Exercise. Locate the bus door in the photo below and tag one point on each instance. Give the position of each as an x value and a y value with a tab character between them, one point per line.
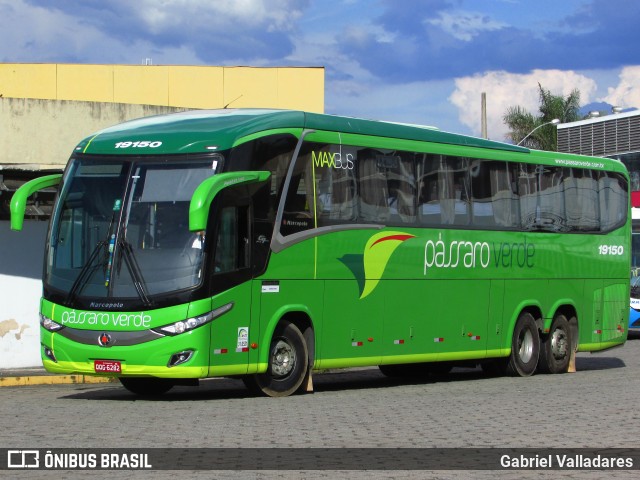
230	283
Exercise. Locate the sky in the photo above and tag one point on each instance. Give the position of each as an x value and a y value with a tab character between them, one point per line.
411	61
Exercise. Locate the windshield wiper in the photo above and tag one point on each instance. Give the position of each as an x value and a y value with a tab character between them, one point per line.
85	273
91	266
134	270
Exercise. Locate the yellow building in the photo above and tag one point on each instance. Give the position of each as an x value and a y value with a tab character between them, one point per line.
168	85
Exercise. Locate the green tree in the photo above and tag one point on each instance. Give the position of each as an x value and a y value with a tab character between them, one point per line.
522	123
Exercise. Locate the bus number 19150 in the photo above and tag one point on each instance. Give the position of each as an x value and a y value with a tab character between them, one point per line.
138	144
611	249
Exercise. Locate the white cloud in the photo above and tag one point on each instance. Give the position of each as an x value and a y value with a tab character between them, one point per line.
464	25
627	93
276	15
362	34
506	89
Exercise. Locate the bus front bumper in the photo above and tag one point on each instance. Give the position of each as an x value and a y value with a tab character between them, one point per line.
181	356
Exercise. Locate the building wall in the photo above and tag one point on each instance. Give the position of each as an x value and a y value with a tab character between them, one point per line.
168	85
607	136
46	109
39	134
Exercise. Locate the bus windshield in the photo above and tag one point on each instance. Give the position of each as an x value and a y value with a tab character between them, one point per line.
121	228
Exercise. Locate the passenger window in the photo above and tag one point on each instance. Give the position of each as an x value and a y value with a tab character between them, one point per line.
551	211
372	187
335	183
399	173
445	191
612	190
528	195
501	179
298	207
232	250
353	185
404	185
581	202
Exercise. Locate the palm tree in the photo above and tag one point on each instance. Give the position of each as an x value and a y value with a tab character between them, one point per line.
522	123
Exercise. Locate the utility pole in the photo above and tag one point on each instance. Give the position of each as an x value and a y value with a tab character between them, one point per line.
483	114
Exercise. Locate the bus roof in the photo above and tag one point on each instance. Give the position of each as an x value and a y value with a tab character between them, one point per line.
201	130
198	131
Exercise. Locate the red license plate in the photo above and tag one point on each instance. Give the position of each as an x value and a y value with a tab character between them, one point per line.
107	366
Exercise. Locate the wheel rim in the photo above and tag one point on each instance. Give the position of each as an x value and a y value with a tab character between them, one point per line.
525	346
283	359
559	344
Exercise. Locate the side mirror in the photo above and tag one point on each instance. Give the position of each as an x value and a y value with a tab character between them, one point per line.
208	189
19	200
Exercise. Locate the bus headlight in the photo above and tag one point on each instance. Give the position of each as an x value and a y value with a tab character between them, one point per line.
194	322
49	324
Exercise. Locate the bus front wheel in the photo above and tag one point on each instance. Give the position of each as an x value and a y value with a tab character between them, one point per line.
288	363
556	348
525	347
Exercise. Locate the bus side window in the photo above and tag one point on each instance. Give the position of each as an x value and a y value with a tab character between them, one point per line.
373	189
582	209
402	189
495	201
428	201
298	207
551	207
232	250
612	190
481	201
444	190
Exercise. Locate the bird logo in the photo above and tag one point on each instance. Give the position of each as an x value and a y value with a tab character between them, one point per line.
369	267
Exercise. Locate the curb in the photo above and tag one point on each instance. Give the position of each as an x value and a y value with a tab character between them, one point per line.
29	380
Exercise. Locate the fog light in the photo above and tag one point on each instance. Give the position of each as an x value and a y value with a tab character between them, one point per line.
49	354
180	357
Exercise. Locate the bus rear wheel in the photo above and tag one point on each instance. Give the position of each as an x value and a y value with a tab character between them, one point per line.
146	386
288	363
525	347
556	347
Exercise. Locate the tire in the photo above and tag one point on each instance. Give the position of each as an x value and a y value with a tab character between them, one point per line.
288	363
525	347
146	386
556	347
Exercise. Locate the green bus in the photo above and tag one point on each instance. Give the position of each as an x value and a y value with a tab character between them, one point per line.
266	244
